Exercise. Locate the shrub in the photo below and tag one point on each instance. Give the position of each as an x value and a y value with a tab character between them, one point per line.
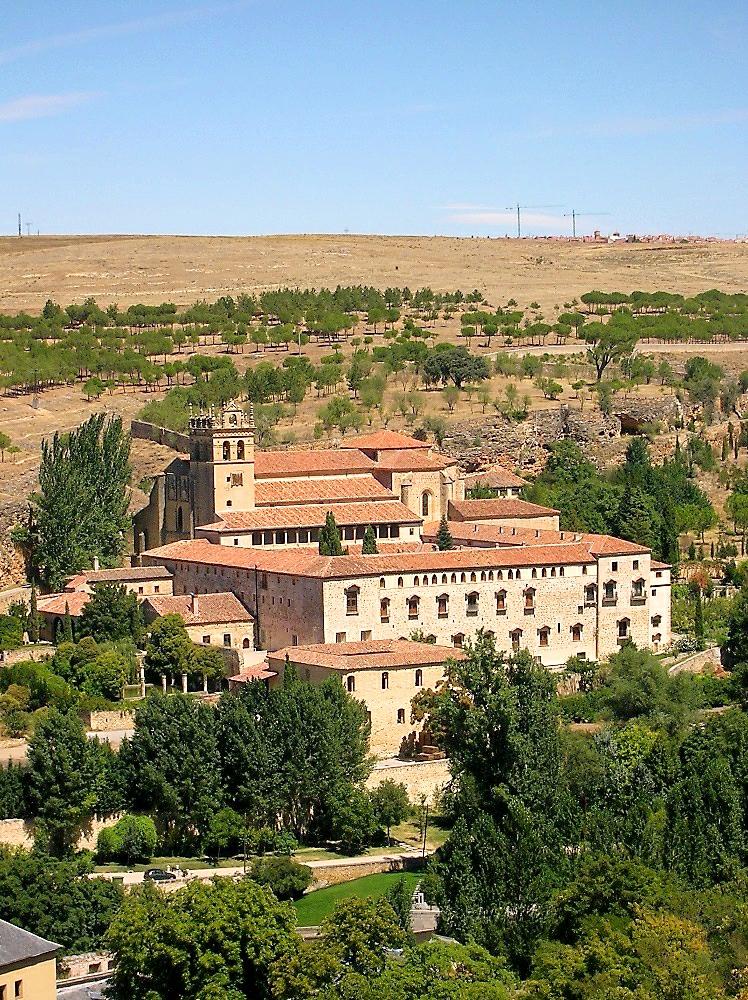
288	879
131	840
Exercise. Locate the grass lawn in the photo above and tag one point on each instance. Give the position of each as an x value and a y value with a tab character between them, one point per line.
315	906
409	832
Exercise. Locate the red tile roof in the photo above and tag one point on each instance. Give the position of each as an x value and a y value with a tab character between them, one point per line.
280	464
656	564
313	516
370	655
256	672
335	489
407	460
212	609
126	573
481	510
471	532
496	477
384	441
55	604
308	563
608	545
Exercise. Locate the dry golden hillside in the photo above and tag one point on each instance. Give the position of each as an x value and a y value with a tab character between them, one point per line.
127	269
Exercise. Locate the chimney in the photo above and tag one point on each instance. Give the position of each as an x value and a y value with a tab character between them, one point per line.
96	564
194	605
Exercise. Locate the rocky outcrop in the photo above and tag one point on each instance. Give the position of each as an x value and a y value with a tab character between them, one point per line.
636	412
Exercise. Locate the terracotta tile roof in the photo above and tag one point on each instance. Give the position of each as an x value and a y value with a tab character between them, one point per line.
470	532
656	564
371	655
308	563
212	609
280	464
496	477
313	516
257	672
407	460
126	573
335	489
608	545
476	510
55	604
384	441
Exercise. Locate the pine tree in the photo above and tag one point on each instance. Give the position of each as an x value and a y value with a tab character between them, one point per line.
67	625
444	536
369	547
33	617
329	538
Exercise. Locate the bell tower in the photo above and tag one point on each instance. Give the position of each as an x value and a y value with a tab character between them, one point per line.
222	462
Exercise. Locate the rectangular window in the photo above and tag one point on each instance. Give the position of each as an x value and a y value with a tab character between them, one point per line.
636	564
340	637
140	590
614	566
366	635
18	988
206	640
157	589
294	640
227	638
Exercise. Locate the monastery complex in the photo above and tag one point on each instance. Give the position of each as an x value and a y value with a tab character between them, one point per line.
229	540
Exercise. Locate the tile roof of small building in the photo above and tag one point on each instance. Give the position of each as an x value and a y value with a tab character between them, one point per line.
254	672
18	946
373	654
407	460
656	564
384	441
465	532
313	516
212	609
333	489
609	545
125	573
73	601
467	510
282	464
496	477
307	562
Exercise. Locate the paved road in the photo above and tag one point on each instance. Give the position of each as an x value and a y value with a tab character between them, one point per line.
642	348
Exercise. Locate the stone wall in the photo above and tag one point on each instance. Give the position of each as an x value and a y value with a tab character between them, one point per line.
161	435
104	722
20	833
335	872
423	777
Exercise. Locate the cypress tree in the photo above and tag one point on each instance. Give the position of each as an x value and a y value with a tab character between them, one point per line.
329	538
699	618
444	536
369	547
67	625
33	617
725	449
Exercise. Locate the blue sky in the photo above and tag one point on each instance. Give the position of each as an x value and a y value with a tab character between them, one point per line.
374	116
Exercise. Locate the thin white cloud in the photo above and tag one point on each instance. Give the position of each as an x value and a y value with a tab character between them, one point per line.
22	109
497	217
136	26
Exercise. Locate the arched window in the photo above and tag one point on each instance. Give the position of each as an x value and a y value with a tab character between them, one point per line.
510	575
534	573
609	592
576	632
560	570
638	589
473	578
416	581
413	606
381	581
384	610
350	683
444	577
483	576
240	451
544	572
458	641
453	578
500	574
351	600
442	606
518	575
385	680
530	599
472	603
543	635
623	628
434	580
516	637
656	620
245	643
490	574
226	451
590	593
399	581
553	570
419	678
401	716
180	519
426	503
501	602
463	578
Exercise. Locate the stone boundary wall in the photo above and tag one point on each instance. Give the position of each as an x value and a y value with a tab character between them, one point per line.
104	722
334	872
20	833
426	777
144	431
36	653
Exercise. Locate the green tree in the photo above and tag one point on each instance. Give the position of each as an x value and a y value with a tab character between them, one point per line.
391	804
206	940
80	509
169	649
369	546
361	931
131	840
111	614
329	538
444	538
287	878
608	342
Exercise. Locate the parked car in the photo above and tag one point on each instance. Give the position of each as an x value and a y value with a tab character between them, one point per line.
159	875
